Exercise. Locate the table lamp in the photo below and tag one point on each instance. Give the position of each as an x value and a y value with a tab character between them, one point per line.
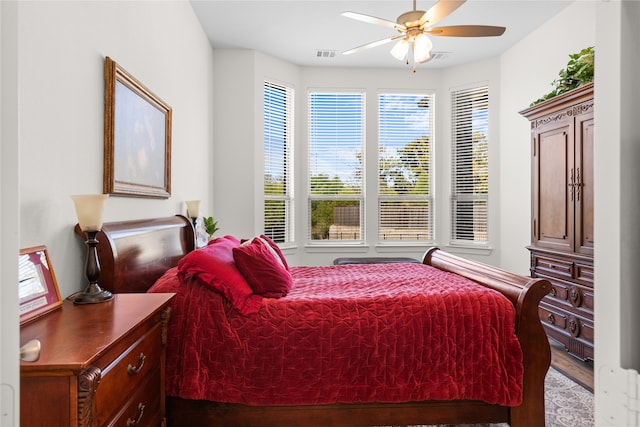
193	210
89	209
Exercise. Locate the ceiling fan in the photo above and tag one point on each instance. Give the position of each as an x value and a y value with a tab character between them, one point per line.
414	27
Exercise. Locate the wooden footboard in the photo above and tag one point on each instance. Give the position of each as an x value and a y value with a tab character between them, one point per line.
525	294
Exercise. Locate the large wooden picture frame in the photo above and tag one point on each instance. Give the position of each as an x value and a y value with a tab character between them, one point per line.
137	137
38	291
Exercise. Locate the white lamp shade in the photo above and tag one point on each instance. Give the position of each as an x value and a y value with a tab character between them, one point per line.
193	208
89	210
422	48
399	51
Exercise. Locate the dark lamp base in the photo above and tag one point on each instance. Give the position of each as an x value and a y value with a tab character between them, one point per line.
93	293
93	297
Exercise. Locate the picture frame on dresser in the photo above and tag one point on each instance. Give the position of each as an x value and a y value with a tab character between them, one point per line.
38	290
137	137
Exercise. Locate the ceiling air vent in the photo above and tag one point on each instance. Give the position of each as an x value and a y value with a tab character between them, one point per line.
439	55
325	53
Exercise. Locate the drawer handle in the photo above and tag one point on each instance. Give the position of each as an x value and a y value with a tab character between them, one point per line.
135	369
551	318
130	422
574	327
575	297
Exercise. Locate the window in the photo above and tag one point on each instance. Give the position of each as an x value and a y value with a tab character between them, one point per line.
336	168
278	173
470	165
405	204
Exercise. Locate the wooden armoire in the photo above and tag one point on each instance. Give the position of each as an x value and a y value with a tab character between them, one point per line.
562	215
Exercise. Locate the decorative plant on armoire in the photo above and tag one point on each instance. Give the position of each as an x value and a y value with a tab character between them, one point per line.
579	71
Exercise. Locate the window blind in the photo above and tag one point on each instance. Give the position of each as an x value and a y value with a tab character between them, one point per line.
470	165
405	204
278	164
336	167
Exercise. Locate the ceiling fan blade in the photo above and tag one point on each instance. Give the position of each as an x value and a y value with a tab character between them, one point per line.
372	44
466	31
373	20
439	11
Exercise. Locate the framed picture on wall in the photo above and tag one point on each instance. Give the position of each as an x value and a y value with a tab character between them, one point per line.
137	137
38	291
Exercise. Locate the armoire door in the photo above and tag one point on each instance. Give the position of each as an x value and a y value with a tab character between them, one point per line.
553	205
584	126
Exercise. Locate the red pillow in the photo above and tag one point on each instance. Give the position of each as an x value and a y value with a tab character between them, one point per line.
213	265
275	247
262	270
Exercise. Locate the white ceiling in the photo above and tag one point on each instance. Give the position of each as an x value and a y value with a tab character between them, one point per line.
294	30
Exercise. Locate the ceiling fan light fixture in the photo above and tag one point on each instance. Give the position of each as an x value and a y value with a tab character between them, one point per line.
417	26
422	47
400	50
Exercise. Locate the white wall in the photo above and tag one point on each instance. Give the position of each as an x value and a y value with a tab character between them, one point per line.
9	215
527	70
61	88
630	176
617	250
238	151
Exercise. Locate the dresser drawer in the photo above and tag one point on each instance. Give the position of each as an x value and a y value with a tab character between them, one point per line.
143	408
128	372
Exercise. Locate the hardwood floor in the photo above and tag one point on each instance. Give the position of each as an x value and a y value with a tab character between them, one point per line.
576	369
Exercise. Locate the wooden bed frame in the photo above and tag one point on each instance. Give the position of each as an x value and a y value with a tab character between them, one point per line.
133	254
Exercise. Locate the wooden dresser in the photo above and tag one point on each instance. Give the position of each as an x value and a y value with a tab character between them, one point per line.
100	365
562	137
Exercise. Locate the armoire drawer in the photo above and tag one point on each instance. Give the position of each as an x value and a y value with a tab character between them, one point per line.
570	296
554	267
570	324
584	274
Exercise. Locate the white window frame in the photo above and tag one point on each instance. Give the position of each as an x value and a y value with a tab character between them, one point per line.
470	187
415	225
279	132
337	234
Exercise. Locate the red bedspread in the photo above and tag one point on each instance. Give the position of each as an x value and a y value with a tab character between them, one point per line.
350	333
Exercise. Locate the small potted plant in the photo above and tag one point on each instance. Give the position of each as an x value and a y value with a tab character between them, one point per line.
210	226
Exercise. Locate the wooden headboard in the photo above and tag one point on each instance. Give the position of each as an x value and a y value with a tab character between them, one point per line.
134	254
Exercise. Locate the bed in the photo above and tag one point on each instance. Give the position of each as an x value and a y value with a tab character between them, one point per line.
140	255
